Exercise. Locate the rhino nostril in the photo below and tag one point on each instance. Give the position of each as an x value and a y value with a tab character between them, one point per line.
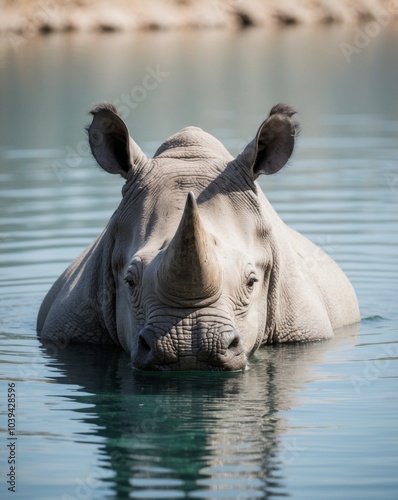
235	341
144	344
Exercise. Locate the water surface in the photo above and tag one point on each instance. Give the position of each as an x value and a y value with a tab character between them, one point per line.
306	421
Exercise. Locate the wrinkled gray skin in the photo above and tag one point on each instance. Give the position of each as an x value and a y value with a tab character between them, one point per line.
195	270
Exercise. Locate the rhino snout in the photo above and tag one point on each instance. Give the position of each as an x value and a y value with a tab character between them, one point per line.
222	351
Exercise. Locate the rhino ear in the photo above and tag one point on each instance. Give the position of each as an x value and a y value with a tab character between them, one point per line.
110	141
273	145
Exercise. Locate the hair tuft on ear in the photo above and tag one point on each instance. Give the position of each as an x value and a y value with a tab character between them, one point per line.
283	109
103	106
290	111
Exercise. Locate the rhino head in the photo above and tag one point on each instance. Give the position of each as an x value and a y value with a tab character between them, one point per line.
190	259
195	269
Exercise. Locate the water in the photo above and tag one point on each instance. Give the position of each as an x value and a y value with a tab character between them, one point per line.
312	421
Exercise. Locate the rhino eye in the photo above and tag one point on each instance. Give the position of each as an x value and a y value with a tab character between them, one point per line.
132	277
131	282
250	282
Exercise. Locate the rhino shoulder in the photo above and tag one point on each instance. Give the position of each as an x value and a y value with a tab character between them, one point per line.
72	310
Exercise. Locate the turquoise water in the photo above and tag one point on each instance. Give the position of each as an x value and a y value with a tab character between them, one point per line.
306	421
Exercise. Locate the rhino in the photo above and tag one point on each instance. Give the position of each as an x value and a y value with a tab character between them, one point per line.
195	270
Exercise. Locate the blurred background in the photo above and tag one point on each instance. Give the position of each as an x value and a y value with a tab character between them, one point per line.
316	421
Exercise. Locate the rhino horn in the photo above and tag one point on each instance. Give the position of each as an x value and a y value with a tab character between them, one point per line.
189	274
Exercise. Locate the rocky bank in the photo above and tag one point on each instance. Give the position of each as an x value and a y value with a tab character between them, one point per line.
31	16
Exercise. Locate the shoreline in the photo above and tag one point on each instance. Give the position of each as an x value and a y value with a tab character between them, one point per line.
47	16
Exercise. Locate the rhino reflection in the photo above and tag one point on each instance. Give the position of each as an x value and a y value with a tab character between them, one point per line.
193	431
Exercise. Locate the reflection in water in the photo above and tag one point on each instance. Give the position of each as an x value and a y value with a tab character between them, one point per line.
206	434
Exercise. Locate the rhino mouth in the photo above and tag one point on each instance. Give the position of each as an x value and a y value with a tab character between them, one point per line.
218	349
